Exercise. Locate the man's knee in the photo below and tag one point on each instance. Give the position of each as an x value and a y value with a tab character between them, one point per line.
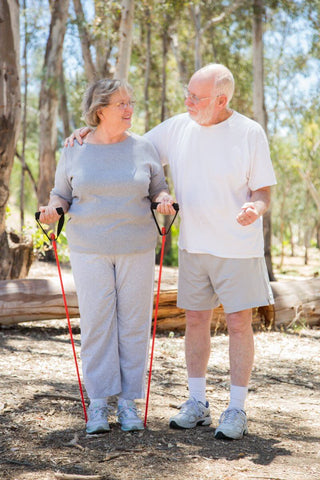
198	319
239	322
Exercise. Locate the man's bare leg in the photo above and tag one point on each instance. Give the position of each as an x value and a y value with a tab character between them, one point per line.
241	346
233	422
197	342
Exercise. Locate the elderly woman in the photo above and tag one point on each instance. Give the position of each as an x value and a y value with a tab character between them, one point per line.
106	186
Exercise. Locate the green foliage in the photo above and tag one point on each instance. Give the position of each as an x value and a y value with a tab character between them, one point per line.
41	244
171	259
291	63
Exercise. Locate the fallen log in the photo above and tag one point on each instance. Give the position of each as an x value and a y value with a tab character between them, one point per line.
34	299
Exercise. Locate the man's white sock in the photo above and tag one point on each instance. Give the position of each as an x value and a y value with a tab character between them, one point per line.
237	397
197	388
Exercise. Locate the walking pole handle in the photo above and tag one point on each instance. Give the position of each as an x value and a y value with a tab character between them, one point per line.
153	207
155	204
60	224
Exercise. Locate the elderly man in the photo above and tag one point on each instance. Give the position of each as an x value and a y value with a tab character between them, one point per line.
222	173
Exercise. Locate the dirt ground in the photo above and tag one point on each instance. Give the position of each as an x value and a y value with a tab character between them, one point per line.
42	422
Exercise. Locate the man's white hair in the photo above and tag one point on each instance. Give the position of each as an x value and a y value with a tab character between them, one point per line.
223	79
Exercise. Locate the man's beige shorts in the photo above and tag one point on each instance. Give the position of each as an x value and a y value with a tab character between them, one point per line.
205	281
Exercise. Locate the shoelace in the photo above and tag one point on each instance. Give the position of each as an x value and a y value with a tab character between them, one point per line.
229	415
98	412
128	412
191	402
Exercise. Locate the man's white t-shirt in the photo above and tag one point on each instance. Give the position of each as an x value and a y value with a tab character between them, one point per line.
214	170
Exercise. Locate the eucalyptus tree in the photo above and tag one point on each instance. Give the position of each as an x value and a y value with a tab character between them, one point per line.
85	40
49	97
201	27
16	257
125	39
259	108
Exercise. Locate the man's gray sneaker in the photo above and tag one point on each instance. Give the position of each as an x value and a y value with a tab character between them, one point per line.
192	413
128	416
97	419
232	425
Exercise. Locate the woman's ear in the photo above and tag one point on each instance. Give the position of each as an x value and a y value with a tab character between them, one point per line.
100	114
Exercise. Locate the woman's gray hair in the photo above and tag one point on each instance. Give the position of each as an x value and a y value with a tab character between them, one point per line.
98	95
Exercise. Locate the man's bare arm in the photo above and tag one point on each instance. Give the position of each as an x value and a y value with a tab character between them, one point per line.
258	205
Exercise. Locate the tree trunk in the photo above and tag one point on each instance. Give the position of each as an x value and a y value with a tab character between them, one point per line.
183	74
259	110
296	302
24	118
196	17
103	37
12	254
291	239
63	106
85	42
49	97
125	40
10	100
147	70
311	188
318	234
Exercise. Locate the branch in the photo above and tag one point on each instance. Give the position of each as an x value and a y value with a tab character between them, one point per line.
312	189
213	21
27	169
65	476
84	40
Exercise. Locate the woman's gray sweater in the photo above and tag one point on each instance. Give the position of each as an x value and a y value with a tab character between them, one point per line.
109	188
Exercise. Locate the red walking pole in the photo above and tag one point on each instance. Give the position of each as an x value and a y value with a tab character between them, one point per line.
54	244
163	233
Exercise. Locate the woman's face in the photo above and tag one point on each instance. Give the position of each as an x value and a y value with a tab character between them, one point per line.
117	115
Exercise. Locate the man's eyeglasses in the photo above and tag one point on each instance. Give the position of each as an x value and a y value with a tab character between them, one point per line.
124	105
194	99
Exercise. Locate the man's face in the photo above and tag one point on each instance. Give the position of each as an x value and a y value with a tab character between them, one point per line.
200	101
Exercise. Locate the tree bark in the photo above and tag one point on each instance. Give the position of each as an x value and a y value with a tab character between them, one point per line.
10	99
311	188
296	302
12	253
147	70
89	67
195	13
49	97
103	39
24	117
63	105
183	73
196	16
125	40
259	110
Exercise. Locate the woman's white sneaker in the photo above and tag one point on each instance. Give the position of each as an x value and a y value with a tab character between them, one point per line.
232	425
128	416
192	413
97	419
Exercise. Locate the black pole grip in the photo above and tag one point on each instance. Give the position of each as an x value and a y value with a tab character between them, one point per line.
59	212
60	224
155	204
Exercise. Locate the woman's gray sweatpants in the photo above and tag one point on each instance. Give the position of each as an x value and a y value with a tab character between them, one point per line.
115	295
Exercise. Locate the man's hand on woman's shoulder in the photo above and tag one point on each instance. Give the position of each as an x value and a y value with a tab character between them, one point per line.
78	135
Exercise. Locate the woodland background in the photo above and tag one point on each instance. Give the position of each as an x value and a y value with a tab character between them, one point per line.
50	50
